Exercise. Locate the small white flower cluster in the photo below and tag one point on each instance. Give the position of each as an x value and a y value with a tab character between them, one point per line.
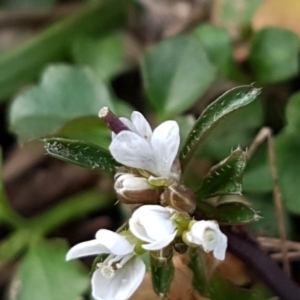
151	227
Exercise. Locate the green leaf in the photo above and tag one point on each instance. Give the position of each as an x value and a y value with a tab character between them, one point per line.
213	114
176	73
249	120
288	161
217	42
45	274
87	129
274	55
104	55
293	115
197	264
162	270
64	93
80	153
23	64
231	213
225	177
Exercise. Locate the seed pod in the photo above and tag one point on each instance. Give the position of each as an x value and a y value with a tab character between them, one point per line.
180	197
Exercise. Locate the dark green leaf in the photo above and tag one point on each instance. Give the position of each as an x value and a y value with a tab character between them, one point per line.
293	114
231	213
44	274
162	270
80	153
213	114
225	177
288	162
274	55
176	73
197	264
65	93
104	55
26	5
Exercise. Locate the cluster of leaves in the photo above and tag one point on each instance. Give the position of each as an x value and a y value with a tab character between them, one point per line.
62	109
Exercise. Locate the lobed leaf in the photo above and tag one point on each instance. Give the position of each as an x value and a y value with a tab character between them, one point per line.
225	177
81	153
65	93
225	105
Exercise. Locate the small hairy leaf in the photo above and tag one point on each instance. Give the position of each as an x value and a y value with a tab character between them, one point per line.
225	177
213	114
80	153
232	213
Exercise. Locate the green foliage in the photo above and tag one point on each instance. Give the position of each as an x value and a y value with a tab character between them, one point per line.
64	93
225	177
80	153
162	270
274	55
45	274
216	38
24	63
231	213
213	114
27	4
104	55
176	72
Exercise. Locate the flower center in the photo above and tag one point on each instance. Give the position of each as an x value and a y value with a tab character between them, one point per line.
210	237
112	264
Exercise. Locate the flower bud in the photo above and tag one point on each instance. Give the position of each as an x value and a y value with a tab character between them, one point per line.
179	197
132	189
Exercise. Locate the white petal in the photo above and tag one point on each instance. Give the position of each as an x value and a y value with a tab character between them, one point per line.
142	126
93	247
159	244
131	150
114	242
165	142
138	230
131	278
220	250
128	123
122	285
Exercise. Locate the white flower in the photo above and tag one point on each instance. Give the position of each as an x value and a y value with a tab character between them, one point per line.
208	235
143	149
120	274
153	224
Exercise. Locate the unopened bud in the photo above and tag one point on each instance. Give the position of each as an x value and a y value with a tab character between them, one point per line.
132	189
179	197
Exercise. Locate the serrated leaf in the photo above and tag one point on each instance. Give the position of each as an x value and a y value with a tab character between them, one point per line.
176	73
44	274
81	153
225	105
225	177
274	55
232	213
162	270
65	93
